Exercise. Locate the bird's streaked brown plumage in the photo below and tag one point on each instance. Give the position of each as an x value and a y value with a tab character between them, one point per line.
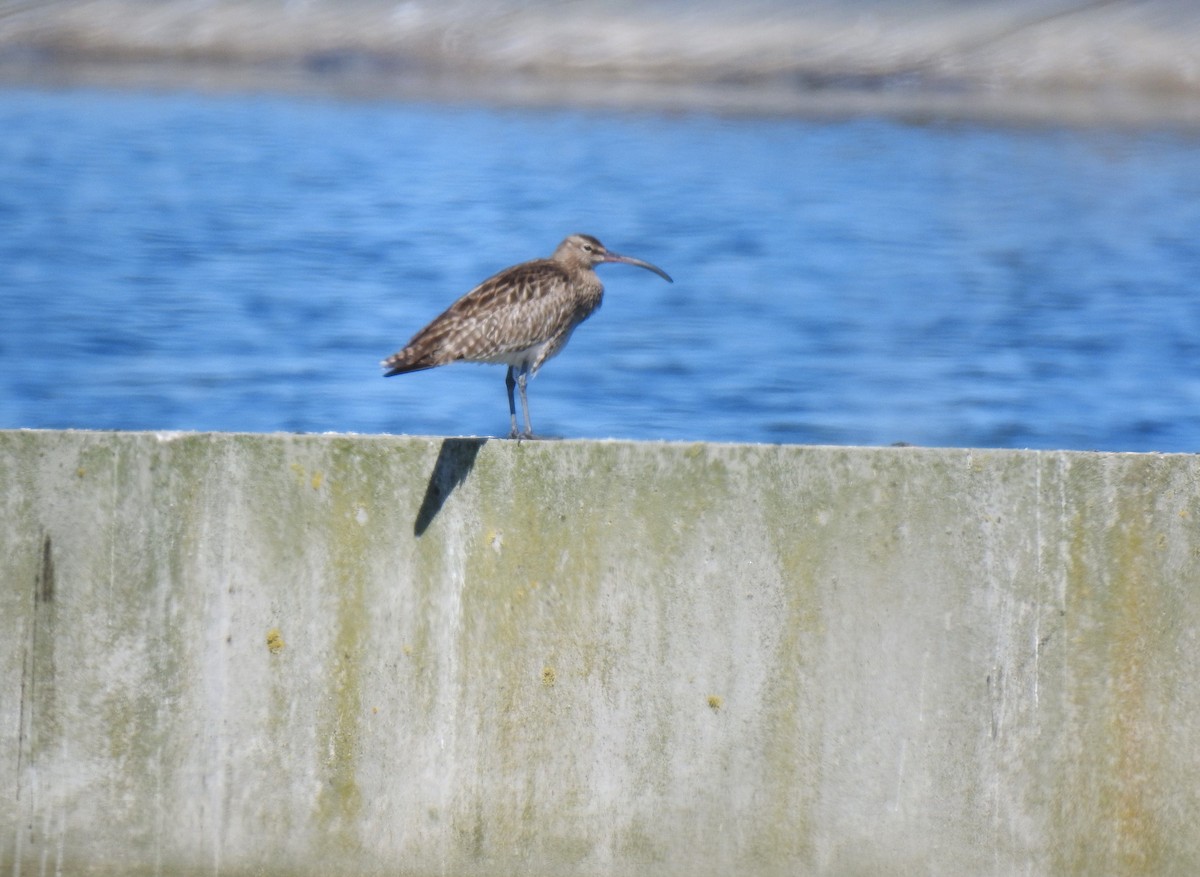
520	317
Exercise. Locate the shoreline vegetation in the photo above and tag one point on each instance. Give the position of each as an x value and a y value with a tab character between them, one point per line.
1100	62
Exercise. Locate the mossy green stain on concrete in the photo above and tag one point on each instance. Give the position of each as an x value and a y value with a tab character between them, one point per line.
528	570
1132	599
139	569
796	519
1124	609
350	506
1142	613
537	572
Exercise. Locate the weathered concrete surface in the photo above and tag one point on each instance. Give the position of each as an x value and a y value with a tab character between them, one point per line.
230	654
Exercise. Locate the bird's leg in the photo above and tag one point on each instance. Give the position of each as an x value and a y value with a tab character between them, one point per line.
509	383
522	378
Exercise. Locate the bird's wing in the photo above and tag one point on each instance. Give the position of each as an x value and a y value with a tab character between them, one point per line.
510	311
515	309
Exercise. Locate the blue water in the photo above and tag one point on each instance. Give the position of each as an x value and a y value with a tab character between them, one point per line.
201	262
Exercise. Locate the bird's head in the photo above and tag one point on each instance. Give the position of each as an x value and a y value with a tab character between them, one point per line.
585	251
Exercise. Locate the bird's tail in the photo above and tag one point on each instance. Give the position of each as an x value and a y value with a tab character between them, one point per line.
427	349
404	362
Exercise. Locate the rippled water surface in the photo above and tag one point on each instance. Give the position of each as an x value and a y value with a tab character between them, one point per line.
182	261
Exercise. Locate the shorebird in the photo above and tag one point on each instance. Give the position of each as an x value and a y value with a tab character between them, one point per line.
520	317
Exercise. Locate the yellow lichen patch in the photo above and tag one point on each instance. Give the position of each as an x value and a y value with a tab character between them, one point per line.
80	472
549	676
316	480
715	702
274	641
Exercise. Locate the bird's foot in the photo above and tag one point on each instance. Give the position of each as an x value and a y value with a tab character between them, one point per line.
532	437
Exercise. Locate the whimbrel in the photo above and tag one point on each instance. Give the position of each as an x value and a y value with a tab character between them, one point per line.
520	317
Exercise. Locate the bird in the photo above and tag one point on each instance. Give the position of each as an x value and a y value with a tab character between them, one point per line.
520	317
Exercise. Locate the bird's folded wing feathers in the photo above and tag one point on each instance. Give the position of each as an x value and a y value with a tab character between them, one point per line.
506	313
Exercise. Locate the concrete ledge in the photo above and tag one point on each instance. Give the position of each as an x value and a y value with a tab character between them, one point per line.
276	654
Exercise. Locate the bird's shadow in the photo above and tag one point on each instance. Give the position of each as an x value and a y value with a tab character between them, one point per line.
455	459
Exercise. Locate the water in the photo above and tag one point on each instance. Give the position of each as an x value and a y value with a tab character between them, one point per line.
186	261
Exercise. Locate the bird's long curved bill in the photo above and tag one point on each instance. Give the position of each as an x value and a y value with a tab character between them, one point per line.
629	260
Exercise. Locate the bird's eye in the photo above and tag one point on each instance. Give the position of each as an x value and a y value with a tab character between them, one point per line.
588	248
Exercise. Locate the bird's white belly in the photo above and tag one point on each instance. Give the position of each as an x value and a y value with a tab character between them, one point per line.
525	358
517	358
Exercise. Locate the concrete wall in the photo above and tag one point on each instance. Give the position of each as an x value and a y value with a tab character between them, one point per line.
231	654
